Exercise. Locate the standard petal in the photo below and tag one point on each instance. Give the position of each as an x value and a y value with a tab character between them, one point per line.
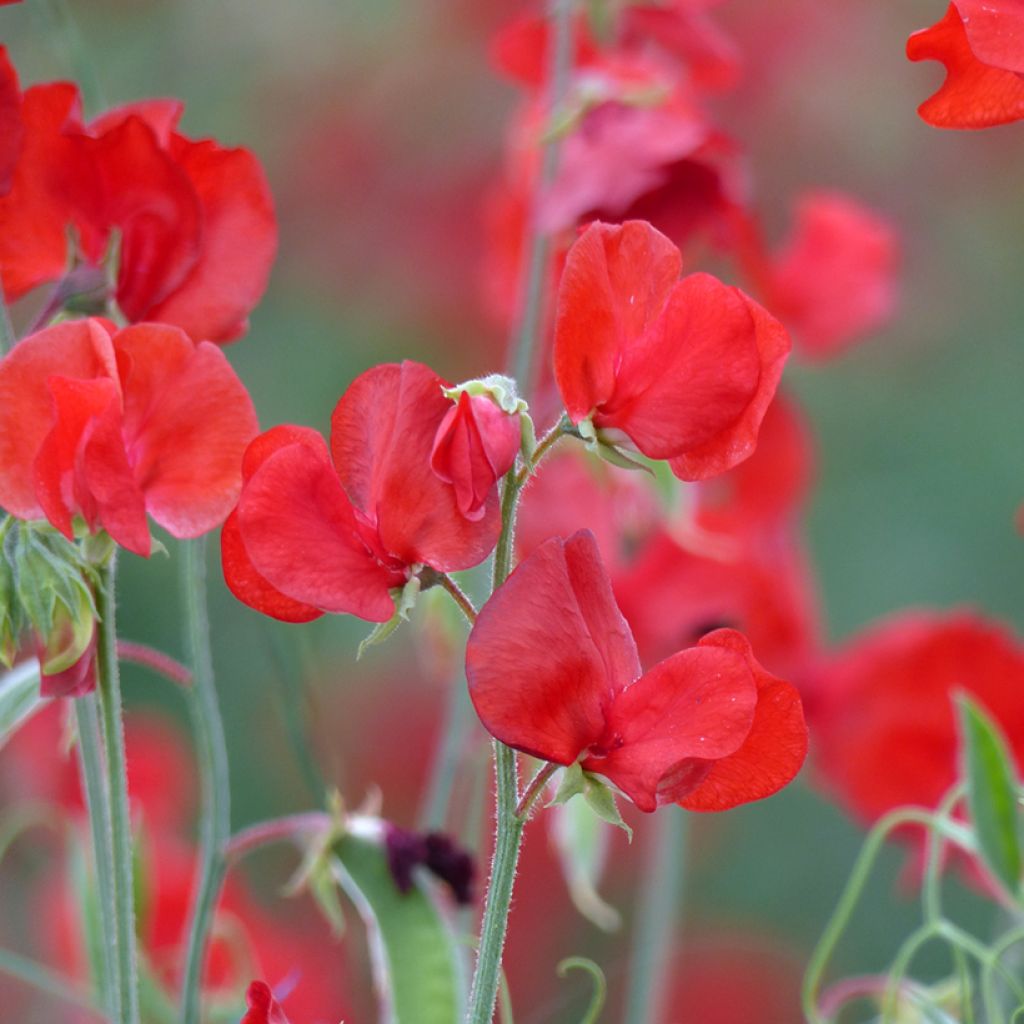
188	420
239	241
736	442
974	94
692	374
302	536
540	677
774	749
666	730
995	30
616	281
80	350
382	433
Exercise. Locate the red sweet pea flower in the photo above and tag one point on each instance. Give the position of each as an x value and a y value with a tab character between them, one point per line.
885	723
111	425
197	226
553	671
11	128
835	278
475	446
318	530
685	369
981	43
263	1007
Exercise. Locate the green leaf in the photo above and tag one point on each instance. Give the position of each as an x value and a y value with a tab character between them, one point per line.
418	968
992	789
602	801
19	697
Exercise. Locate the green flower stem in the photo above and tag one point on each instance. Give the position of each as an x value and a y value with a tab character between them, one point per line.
537	251
484	993
97	801
7	336
108	692
653	938
215	817
458	595
42	978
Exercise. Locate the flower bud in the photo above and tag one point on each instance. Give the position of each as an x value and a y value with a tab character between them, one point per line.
477	441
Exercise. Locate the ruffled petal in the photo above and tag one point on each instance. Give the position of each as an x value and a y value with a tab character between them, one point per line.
302	536
188	420
736	442
774	749
549	651
78	350
974	94
665	732
239	242
614	286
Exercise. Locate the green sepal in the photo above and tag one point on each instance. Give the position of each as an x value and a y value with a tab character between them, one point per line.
602	802
571	784
606	449
503	392
992	792
315	875
405	600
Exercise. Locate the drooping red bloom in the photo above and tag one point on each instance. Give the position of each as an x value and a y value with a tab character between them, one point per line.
835	278
318	530
553	671
981	44
475	446
110	425
263	1007
196	220
885	721
684	369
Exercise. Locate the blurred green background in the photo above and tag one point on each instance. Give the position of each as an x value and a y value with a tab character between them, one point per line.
378	124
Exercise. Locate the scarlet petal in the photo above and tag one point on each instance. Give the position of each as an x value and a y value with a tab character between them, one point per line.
80	349
690	709
238	243
774	749
12	129
263	1007
732	445
549	651
382	433
975	94
995	30
161	115
188	419
302	536
614	286
240	574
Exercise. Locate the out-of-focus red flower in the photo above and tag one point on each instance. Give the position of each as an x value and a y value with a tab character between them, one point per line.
475	446
685	369
981	44
11	128
263	1007
885	724
553	671
196	220
835	279
110	425
318	530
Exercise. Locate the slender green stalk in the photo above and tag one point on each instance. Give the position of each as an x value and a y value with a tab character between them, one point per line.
215	816
458	717
97	801
7	336
484	993
653	938
108	691
42	978
458	595
535	272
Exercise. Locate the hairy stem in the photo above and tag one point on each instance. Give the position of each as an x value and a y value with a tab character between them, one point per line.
215	818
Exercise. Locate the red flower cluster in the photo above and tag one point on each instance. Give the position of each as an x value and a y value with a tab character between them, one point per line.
337	530
684	369
553	671
195	219
981	44
110	425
